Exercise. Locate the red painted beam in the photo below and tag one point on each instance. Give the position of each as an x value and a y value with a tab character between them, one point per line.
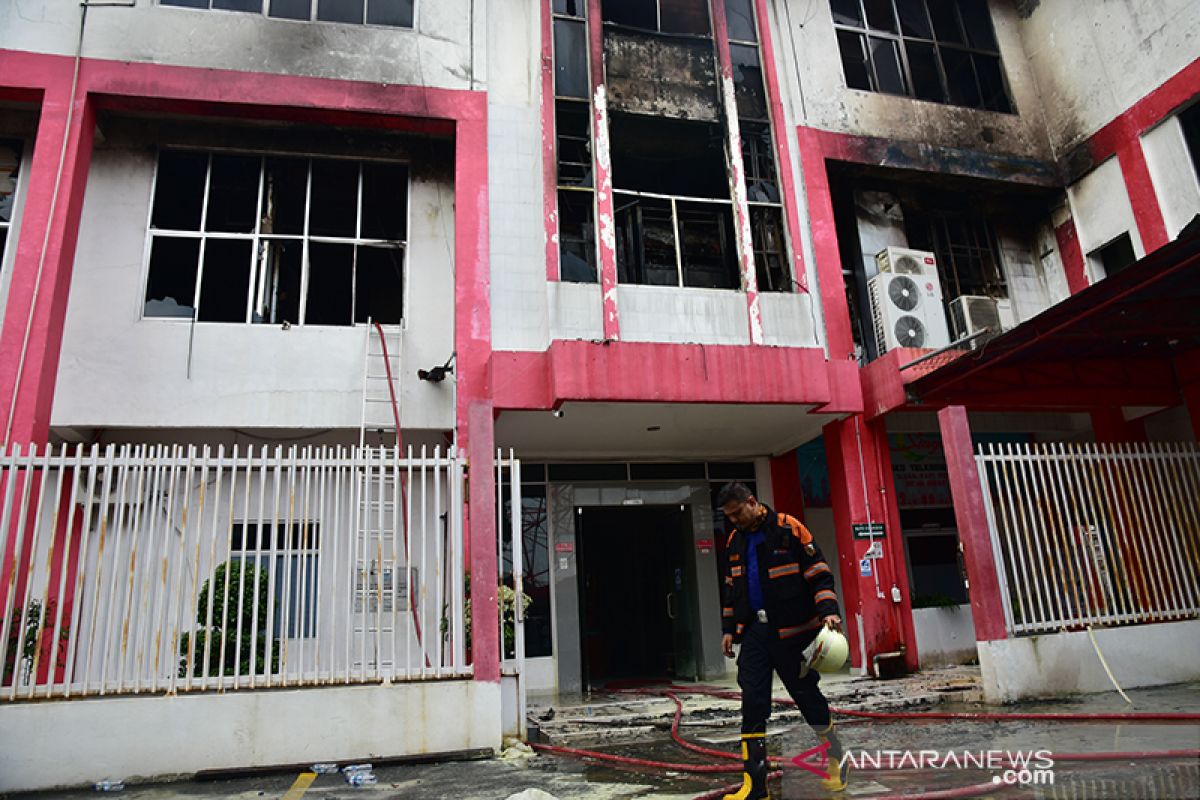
1142	198
1072	256
974	534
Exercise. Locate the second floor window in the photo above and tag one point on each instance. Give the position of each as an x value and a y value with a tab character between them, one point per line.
394	13
276	239
944	51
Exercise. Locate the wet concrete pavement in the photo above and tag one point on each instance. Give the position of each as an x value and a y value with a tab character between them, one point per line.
568	778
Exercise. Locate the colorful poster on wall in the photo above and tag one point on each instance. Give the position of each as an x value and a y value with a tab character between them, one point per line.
919	469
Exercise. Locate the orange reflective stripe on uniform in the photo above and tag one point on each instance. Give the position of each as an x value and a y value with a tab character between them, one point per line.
729	541
785	633
816	569
798	530
735	556
741	626
824	594
737	571
784	569
727	612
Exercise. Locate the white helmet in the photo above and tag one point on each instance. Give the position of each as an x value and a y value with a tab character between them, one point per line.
828	652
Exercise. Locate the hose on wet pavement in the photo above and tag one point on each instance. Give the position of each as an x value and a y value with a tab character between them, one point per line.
673	692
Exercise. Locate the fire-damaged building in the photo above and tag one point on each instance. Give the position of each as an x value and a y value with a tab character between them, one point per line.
389	355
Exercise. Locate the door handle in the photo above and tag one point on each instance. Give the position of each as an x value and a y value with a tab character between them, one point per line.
670	606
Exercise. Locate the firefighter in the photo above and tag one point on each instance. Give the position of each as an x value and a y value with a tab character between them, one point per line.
779	593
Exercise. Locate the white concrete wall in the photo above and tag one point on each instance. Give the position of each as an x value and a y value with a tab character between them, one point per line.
76	742
1102	211
788	319
944	635
436	53
1173	174
1092	61
683	315
118	369
1066	663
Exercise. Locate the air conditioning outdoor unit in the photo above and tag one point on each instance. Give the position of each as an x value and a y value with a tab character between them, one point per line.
970	314
902	261
907	311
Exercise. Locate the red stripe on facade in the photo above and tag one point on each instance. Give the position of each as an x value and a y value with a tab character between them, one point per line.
1146	211
549	145
606	223
1145	113
1072	256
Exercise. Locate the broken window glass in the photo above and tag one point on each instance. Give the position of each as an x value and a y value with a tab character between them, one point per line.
922	65
889	77
739	17
330	284
667	156
634	13
570	8
991	83
880	16
573	128
179	191
291	9
334	202
913	19
645	241
683	16
770	261
570	59
225	280
978	24
945	21
397	13
340	10
232	193
847	12
171	283
854	60
960	77
576	237
277	293
748	82
379	285
285	192
384	201
758	160
706	245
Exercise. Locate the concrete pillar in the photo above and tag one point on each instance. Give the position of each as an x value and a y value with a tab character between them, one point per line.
987	608
862	491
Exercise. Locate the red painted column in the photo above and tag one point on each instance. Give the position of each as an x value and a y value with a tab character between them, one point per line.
1142	197
785	485
475	422
37	296
973	531
549	145
1110	426
1072	256
737	174
825	245
872	618
606	223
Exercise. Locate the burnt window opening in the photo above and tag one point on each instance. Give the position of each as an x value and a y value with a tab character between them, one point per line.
739	20
390	13
573	131
673	242
10	173
968	253
770	259
570	59
270	240
1116	256
943	51
688	17
758	161
668	157
570	8
749	91
576	237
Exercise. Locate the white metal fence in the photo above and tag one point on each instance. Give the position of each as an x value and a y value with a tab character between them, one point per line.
169	569
1093	534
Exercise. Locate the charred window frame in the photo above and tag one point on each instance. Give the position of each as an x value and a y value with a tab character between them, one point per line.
967	250
765	204
10	178
679	17
943	51
387	13
276	239
573	144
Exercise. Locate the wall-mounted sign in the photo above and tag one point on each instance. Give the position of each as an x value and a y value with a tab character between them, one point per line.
704	545
874	551
564	547
867	530
864	567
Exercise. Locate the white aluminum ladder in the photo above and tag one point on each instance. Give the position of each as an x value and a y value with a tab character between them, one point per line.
380	390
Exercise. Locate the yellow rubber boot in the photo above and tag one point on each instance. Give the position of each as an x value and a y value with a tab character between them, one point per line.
754	769
839	768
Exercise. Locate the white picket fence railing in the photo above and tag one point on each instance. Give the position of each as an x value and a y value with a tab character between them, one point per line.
1087	534
170	569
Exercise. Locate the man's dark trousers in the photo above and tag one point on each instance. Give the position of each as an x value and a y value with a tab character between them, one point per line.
762	653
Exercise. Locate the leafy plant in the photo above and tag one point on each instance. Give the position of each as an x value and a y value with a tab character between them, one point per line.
508	616
252	586
35	637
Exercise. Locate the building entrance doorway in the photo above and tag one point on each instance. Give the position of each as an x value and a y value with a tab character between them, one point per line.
637	594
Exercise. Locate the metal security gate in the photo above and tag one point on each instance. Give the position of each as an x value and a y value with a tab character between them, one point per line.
1088	535
511	595
172	569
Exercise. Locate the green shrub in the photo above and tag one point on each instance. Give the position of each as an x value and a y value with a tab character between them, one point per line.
249	584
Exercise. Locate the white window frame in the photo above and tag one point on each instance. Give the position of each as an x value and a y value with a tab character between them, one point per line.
257	238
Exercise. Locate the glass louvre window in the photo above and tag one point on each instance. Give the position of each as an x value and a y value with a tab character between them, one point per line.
276	239
10	166
944	51
392	13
